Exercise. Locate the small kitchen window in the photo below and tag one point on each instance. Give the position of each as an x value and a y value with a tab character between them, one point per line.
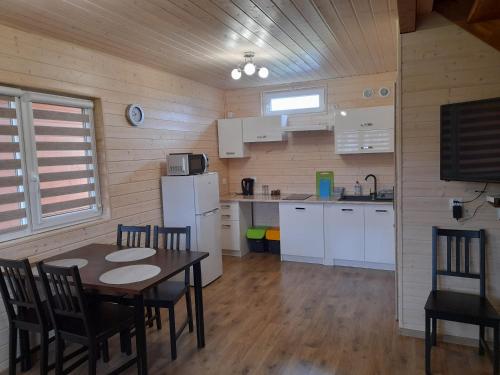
294	101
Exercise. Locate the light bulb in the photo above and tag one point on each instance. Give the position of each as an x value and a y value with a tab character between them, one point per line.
249	68
236	73
263	73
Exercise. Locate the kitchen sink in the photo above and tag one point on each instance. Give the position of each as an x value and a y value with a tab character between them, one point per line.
363	198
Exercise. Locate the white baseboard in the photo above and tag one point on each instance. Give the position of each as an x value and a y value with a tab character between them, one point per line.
360	264
296	258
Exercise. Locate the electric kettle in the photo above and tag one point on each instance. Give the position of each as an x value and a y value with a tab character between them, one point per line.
247	186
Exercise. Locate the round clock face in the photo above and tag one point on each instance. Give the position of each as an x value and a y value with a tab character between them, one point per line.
135	114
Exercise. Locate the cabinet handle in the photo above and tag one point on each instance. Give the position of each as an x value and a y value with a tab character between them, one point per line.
226	216
225	206
226	226
366	147
230	153
261	136
380	210
300	208
347	209
367	124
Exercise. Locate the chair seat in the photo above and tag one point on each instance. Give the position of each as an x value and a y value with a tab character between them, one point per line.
463	307
107	318
165	294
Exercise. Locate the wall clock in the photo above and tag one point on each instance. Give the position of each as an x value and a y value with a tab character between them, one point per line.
135	114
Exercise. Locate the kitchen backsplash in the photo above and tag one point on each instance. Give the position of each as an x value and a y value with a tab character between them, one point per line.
291	165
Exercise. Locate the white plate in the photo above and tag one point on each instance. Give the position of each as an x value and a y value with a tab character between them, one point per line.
80	263
130	274
130	255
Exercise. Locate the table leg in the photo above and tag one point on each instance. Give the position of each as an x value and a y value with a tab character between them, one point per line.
140	336
198	297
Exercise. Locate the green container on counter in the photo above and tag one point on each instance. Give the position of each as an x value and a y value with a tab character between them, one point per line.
324	184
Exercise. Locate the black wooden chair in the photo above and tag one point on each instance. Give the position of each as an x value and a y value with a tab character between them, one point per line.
79	319
133	239
455	306
167	294
133	235
25	311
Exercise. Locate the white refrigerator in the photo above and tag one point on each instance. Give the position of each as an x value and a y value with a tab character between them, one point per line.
194	201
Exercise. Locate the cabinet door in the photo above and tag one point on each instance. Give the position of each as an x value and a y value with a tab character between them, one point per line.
370	118
364	141
379	234
344	232
230	134
372	141
347	142
263	129
301	227
230	235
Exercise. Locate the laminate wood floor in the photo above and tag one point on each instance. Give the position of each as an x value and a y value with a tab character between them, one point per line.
267	317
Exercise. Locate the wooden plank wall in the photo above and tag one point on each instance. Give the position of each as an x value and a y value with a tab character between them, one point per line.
291	166
180	116
441	63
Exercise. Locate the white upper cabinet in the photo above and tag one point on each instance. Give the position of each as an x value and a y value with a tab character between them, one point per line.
364	130
230	133
264	129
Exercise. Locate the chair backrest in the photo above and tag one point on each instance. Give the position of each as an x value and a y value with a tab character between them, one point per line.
454	240
134	235
19	292
172	240
66	298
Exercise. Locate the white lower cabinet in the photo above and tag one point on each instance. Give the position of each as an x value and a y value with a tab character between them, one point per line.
344	232
360	235
301	227
235	219
379	234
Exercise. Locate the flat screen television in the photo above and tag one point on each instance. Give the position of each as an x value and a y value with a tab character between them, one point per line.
470	141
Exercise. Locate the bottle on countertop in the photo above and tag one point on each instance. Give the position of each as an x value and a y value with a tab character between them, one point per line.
357	188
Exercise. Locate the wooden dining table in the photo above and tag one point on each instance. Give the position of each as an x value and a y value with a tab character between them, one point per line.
170	263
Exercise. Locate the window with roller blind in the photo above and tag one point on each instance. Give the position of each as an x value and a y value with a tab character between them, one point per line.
48	164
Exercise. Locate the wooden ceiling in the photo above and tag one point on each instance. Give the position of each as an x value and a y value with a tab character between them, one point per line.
410	10
298	40
479	17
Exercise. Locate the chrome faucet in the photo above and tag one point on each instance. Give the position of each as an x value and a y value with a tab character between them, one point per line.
374	194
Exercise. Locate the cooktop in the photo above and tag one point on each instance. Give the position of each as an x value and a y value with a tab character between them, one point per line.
297	197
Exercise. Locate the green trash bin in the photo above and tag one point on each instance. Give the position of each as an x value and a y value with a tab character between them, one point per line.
256	237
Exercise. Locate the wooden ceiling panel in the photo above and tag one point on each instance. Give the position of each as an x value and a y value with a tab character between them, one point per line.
297	40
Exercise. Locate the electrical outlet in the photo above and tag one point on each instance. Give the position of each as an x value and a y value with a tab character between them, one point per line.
452	202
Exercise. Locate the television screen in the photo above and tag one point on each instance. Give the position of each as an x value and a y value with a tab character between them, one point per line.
470	141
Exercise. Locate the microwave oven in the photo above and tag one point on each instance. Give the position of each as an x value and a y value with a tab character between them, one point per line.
186	164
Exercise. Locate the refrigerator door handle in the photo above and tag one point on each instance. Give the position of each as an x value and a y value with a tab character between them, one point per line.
210	213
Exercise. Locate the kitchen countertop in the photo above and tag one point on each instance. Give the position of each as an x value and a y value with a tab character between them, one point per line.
261	198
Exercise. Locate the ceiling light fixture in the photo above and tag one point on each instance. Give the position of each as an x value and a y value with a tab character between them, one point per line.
249	68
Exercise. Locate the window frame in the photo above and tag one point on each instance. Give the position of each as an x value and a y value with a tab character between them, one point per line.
267	96
29	163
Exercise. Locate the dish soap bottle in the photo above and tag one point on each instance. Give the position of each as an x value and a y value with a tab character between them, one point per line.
357	188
